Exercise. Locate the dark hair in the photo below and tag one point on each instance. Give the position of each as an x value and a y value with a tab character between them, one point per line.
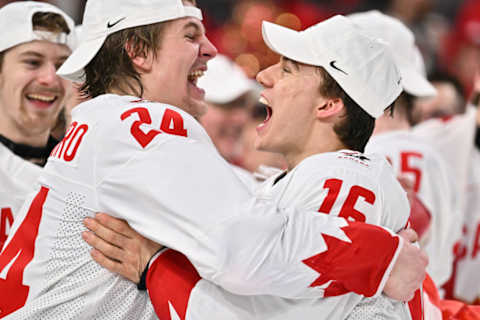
443	77
357	125
48	21
405	107
112	67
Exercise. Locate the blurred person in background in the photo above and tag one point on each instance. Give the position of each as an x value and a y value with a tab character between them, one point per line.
410	157
461	51
41	37
464	283
449	100
230	95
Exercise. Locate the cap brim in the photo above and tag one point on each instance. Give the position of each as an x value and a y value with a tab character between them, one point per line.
416	84
288	43
72	68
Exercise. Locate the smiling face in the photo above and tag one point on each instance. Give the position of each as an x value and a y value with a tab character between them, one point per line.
31	94
180	60
292	97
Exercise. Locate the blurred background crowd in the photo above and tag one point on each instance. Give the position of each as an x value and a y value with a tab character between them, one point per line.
446	31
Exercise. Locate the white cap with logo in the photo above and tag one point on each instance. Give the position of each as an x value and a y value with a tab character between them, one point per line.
406	54
16	17
361	65
224	81
104	17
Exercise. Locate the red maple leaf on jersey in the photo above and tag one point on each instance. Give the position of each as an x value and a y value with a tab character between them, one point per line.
170	281
354	266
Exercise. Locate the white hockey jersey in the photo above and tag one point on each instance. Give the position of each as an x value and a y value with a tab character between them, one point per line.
434	186
18	178
343	183
465	284
155	166
453	138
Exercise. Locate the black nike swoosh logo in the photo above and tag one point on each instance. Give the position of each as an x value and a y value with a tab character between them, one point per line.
110	25
332	64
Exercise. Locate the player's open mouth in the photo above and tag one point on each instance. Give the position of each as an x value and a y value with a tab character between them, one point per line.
269	110
194	75
197	93
262	126
41	100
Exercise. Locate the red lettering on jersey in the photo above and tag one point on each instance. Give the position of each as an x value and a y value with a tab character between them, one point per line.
173	117
144	118
58	150
333	186
170	281
6	219
170	117
459	254
406	167
476	243
348	210
354	266
73	136
19	253
80	132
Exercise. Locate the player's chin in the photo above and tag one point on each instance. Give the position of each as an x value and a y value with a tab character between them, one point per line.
197	107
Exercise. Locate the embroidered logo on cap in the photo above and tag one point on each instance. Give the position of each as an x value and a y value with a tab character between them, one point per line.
332	64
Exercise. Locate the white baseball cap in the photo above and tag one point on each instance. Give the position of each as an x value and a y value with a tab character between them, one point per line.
224	81
104	17
362	66
16	21
406	54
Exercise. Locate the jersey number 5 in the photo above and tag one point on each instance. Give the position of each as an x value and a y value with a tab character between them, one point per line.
17	255
348	210
407	167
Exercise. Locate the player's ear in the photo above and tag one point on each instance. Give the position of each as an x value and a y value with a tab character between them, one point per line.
141	60
329	107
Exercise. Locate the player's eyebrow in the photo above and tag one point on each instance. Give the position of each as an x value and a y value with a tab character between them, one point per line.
31	53
194	25
295	63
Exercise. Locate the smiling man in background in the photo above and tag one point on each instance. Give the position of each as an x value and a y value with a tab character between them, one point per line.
39	40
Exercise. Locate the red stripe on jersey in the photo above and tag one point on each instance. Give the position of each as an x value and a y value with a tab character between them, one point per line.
170	280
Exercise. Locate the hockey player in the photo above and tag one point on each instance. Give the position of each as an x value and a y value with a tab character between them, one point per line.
39	38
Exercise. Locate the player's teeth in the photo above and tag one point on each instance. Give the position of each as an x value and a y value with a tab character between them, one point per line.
263	101
195	74
41	98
